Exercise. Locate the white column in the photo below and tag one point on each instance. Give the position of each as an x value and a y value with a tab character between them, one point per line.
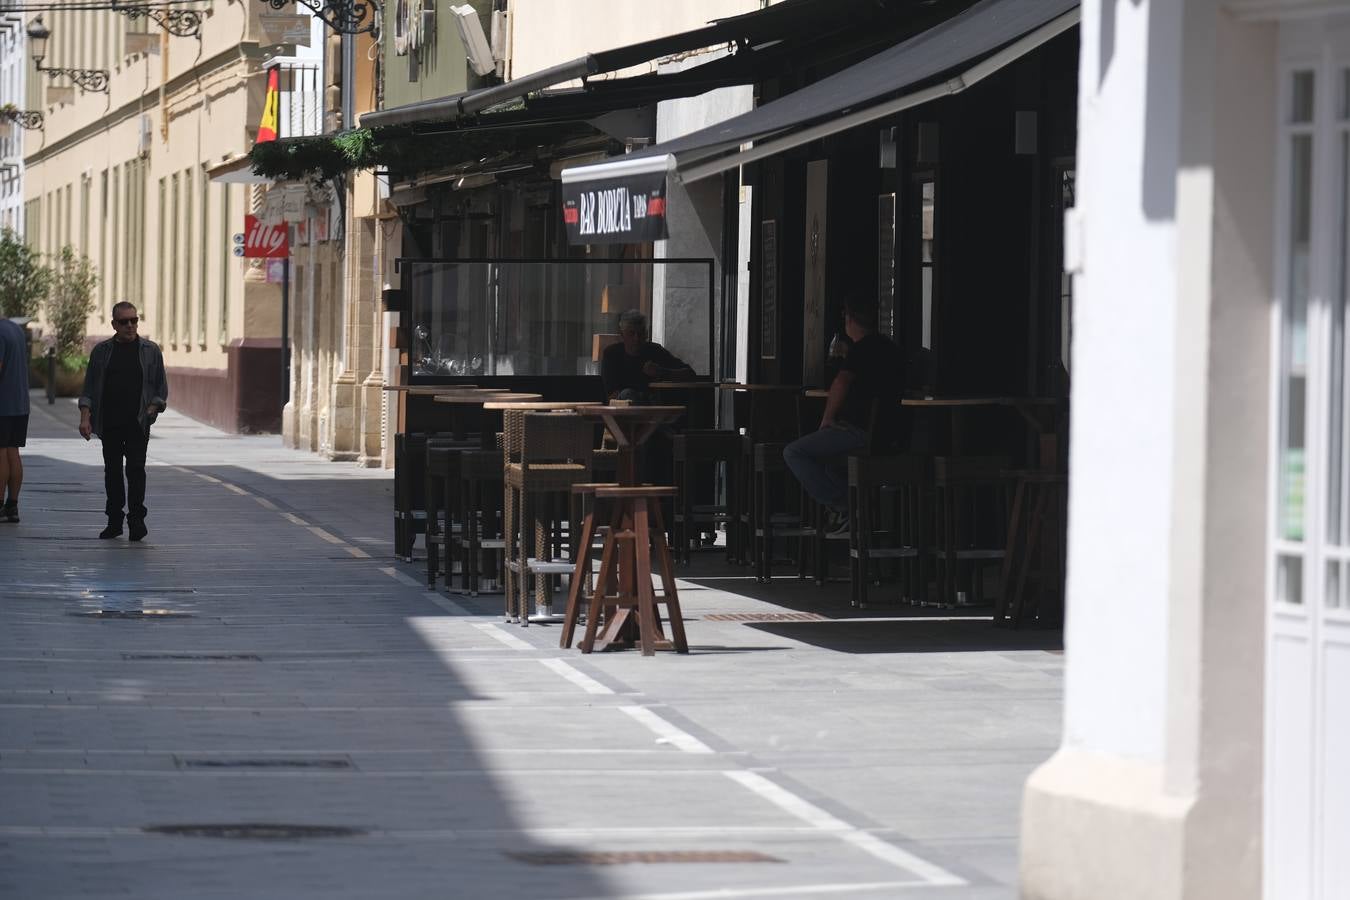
1155	791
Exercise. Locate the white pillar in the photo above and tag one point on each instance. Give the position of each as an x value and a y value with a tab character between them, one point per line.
1155	791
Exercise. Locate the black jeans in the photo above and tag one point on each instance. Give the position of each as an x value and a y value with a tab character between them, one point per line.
125	442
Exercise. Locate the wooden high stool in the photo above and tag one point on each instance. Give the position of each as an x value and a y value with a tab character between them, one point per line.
636	534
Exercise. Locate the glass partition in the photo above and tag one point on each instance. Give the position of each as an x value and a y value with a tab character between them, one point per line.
480	318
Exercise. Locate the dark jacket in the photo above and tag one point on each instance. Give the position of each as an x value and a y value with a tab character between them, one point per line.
154	382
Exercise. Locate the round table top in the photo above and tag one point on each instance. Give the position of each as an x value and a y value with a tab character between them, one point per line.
730	386
631	412
538	405
479	399
432	388
680	385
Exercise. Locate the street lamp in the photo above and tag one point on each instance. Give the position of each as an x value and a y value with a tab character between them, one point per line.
87	79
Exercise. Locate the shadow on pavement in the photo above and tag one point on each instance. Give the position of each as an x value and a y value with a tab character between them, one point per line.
912	636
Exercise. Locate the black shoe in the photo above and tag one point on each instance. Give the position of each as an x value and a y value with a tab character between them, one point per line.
136	528
113	530
10	512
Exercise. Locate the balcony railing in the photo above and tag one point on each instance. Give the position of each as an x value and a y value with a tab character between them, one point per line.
300	112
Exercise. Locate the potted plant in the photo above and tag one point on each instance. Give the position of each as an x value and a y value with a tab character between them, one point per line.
70	302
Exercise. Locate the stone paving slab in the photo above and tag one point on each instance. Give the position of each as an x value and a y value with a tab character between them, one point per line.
309	678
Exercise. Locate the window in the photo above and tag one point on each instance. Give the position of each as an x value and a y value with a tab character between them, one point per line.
104	293
112	271
171	296
189	188
225	257
201	258
161	295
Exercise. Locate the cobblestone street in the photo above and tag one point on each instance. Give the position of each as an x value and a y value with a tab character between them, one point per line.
260	701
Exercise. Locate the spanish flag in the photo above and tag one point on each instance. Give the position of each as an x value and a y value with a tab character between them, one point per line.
267	127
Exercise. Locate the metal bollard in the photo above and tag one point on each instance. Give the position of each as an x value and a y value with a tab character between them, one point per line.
51	375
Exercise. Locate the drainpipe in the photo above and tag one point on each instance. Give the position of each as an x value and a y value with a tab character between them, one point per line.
348	82
163	84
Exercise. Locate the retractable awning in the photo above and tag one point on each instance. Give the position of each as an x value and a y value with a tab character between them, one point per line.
982	39
762	42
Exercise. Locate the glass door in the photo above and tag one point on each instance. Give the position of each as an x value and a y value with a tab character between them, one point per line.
1308	636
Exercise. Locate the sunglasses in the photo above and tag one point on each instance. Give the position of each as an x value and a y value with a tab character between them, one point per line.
131	321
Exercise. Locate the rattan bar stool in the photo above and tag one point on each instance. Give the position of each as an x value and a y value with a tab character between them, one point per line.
481	535
888	504
696	453
970	524
552	451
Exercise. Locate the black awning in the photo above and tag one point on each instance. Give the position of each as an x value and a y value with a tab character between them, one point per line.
985	37
779	36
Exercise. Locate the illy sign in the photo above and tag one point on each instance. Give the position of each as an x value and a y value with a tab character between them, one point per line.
266	241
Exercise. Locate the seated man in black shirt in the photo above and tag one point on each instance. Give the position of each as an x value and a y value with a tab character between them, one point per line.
873	374
628	368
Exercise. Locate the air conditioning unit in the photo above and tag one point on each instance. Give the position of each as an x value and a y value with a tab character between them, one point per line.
147	134
476	46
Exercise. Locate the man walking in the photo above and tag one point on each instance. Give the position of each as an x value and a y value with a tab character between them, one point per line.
13	414
125	389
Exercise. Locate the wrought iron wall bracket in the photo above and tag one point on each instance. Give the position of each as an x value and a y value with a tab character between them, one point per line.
27	119
88	79
343	16
178	22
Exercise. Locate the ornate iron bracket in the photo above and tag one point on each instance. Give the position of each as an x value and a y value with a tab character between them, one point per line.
88	79
178	22
343	16
27	119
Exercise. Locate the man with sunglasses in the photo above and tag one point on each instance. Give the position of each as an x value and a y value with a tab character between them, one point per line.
125	389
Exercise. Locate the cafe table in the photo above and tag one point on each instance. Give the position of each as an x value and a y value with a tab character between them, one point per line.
626	560
467	412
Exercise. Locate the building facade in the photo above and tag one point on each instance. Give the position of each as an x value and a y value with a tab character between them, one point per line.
13	98
1206	721
124	177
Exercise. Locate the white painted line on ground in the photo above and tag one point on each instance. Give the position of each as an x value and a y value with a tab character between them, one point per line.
869	843
357	552
451	607
503	635
400	577
326	535
264	503
294	519
205	477
575	675
794	891
237	489
680	740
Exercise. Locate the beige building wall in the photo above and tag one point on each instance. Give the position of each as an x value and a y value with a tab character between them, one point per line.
337	404
545	33
123	178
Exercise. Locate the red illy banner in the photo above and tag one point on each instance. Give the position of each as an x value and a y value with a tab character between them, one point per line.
265	241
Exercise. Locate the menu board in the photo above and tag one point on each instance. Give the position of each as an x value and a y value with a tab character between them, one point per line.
768	289
886	264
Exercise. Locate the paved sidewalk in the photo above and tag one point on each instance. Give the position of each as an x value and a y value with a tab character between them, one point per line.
262	660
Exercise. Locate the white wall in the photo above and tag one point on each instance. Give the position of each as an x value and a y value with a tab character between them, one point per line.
680	301
12	90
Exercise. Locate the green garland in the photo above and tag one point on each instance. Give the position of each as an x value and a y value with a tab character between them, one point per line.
399	149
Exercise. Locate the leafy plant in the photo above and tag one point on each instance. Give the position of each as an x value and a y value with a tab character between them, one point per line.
71	300
24	280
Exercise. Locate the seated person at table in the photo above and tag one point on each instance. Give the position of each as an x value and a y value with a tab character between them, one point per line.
873	371
629	367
